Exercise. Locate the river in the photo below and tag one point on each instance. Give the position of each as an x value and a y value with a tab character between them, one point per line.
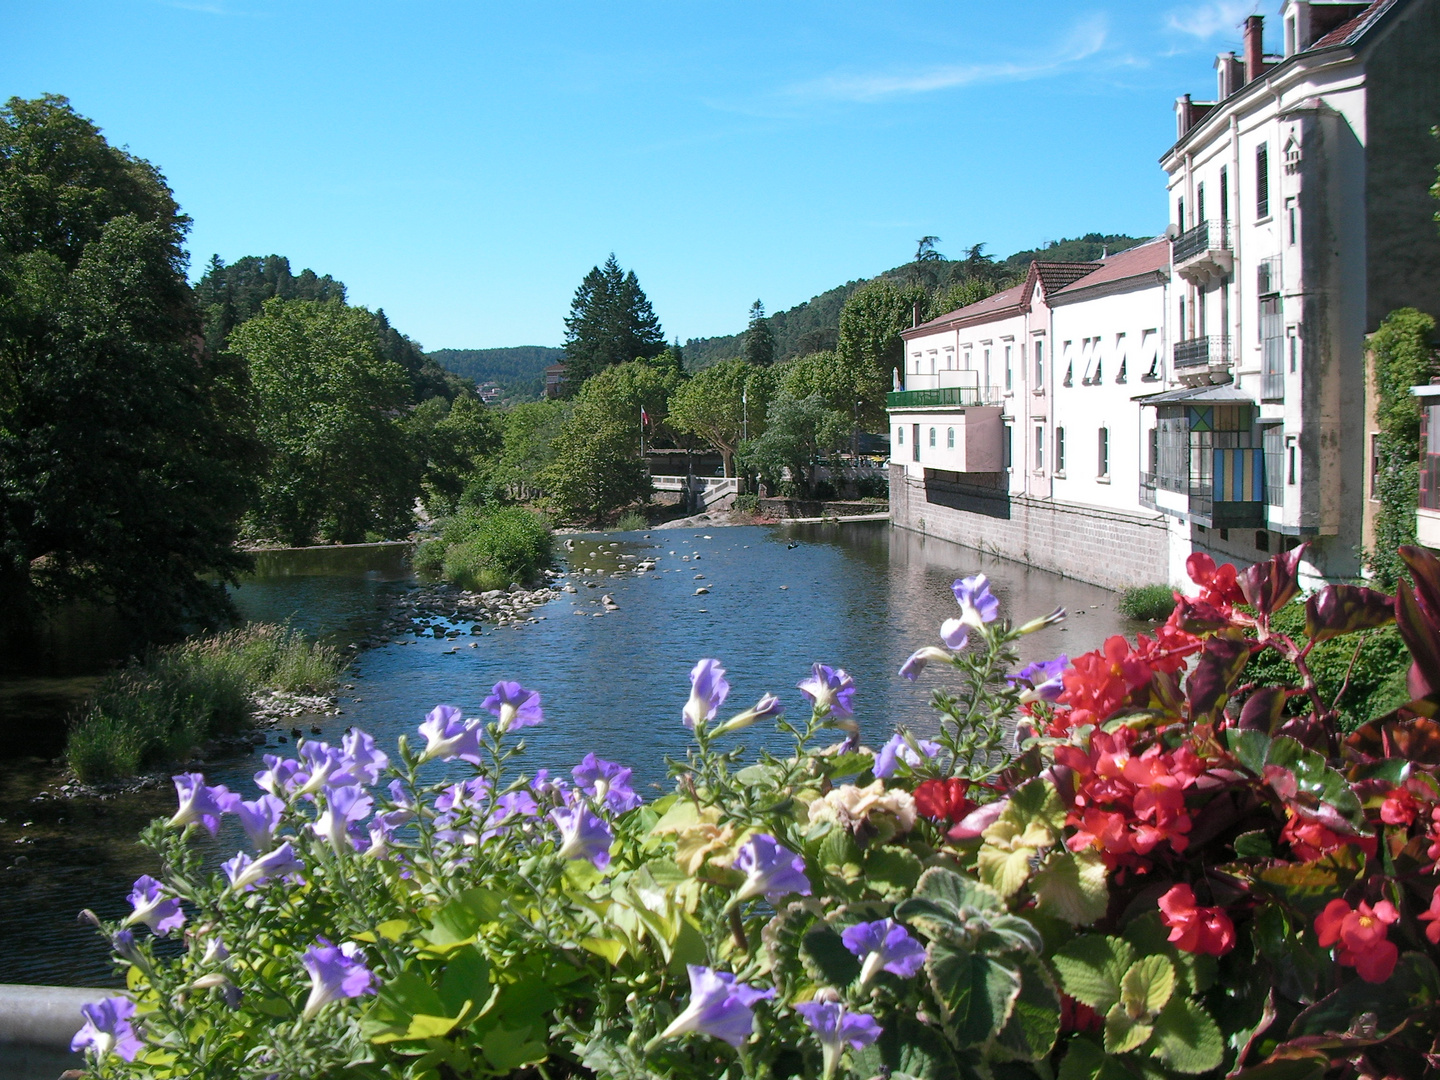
860	596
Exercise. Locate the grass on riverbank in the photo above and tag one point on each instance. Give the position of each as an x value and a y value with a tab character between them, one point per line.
483	549
1147	602
159	709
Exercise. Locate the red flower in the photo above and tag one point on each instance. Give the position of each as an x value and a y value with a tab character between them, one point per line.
1399	808
1218	585
1310	840
1362	935
944	800
1077	1016
1099	682
1433	918
1196	929
1167	650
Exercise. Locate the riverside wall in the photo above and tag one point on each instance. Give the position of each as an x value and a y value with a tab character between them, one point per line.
1104	547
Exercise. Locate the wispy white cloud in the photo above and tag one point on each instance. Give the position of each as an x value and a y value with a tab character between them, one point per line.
1087	39
207	7
1205	20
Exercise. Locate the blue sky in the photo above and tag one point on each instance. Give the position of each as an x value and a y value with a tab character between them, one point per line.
462	165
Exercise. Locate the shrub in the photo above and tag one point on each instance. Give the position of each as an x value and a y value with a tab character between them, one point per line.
1101	869
631	521
872	487
1149	602
158	710
488	548
747	504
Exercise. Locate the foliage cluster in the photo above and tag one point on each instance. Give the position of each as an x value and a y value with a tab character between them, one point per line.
159	709
483	548
519	370
1150	602
610	322
1123	867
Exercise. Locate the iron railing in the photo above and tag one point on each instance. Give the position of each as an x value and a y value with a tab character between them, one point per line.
1203	237
943	395
1202	352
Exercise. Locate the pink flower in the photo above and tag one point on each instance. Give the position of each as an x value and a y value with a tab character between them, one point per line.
1196	929
1362	935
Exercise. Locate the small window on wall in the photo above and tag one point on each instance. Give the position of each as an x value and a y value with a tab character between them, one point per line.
932	436
1262	180
1059	449
950	438
1009	376
1103	453
899	436
1292	460
1009	446
1039	364
1039	448
1374	465
1292	219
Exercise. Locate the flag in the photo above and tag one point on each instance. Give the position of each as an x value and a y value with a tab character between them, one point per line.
644	416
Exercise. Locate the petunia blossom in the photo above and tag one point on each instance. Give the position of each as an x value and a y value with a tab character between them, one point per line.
708	690
771	870
583	834
280	777
260	818
200	803
108	1029
362	759
1043	680
152	907
898	750
720	1006
884	945
343	805
606	782
335	974
955	634
915	663
978	605
515	706
838	1027
245	873
767	708
449	735
830	688
1196	929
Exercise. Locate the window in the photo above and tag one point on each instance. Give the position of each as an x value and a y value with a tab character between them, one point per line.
1103	455
932	436
1059	450
1150	353
1262	180
1009	448
1292	464
1224	195
1039	448
1180	214
950	438
900	436
1120	358
1200	204
986	380
1374	465
1294	344
914	442
1183	334
1039	364
1262	540
1272	440
1292	220
1009	378
967	359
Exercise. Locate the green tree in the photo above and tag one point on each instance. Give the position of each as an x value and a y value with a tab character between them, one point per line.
528	446
610	322
759	339
1401	357
341	467
122	448
798	432
454	441
720	403
870	344
597	468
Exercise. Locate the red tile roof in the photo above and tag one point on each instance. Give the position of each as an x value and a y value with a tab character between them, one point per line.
1144	259
1347	32
991	305
1053	276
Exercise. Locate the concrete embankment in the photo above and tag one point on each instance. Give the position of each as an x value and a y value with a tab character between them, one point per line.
36	1026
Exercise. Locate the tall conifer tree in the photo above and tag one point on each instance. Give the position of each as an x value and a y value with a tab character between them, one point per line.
610	322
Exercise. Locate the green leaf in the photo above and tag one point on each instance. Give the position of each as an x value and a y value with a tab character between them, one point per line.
466	979
907	1047
1072	888
607	948
892	872
976	992
1413	987
411	994
840	854
1186	1038
1254	845
945	902
826	957
507	1049
1123	1031
457	921
1005	869
1086	1061
1034	1023
1091	968
1147	986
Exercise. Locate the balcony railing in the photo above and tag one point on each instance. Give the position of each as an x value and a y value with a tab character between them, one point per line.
1204	237
1147	489
943	395
1202	352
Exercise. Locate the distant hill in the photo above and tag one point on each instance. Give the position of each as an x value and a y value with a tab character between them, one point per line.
815	324
518	370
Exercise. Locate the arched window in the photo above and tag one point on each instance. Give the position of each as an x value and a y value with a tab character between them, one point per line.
950	438
932	436
900	436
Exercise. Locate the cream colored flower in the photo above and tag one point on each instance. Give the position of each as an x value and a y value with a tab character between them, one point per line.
855	808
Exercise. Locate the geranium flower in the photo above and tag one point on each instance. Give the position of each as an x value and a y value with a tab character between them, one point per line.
944	800
199	803
515	706
606	782
152	907
708	690
583	835
336	974
1362	934
771	870
836	1026
720	1006
897	750
884	945
449	735
260	818
977	605
108	1030
1196	929
830	688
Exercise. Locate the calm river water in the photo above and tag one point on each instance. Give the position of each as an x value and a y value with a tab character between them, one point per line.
860	596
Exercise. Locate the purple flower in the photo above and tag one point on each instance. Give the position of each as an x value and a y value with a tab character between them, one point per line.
449	735
954	633
884	945
605	781
510	805
546	786
201	803
153	908
917	660
515	706
770	869
123	942
260	819
898	750
322	765
766	708
836	1026
336	973
583	835
719	1007
280	777
977	605
108	1030
362	760
342	806
1045	679
400	797
245	873
708	690
471	793
830	688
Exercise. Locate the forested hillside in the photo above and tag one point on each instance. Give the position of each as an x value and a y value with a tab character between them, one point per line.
519	370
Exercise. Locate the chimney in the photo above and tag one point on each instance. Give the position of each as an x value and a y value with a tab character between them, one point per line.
915	314
1182	116
1254	47
1228	75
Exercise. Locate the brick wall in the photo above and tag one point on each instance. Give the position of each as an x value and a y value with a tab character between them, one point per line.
1104	547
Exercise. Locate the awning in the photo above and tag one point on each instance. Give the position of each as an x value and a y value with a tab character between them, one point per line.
1225	392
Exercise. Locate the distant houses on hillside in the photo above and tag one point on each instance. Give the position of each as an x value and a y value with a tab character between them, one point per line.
1208	390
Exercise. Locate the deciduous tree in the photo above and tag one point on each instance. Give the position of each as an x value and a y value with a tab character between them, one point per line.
870	344
798	432
720	402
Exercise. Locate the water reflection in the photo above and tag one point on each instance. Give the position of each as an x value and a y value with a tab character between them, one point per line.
859	596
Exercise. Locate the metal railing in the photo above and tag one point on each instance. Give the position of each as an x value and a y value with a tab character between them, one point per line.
1147	489
1202	352
943	395
1430	481
1267	275
1203	237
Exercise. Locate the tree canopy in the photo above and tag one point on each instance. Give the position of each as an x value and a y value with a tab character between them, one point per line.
610	322
122	446
720	403
759	338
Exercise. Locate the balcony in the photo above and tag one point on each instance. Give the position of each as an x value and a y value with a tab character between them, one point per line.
1202	254
943	396
1203	359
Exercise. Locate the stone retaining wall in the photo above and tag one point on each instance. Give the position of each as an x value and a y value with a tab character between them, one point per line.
813	508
